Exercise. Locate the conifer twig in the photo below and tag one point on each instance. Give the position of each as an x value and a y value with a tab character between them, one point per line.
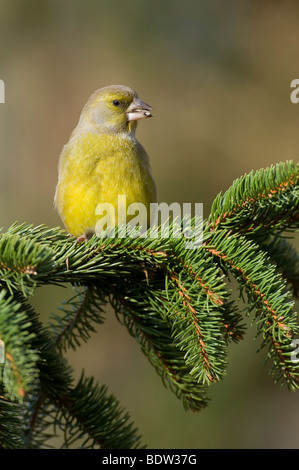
173	300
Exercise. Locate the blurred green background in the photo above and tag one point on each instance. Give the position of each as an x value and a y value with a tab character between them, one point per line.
218	75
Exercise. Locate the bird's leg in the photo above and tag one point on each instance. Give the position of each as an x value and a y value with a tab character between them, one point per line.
83	238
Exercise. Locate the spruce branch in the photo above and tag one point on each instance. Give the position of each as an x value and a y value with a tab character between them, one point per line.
91	416
266	291
284	256
173	300
154	336
262	201
19	371
10	423
76	318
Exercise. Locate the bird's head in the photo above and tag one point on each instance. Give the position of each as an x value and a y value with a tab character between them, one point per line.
114	109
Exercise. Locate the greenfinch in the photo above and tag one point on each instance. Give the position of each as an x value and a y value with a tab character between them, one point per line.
103	160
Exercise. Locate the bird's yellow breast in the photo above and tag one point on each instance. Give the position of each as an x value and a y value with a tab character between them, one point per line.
96	169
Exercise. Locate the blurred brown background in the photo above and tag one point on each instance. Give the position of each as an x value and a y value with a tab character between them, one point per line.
218	75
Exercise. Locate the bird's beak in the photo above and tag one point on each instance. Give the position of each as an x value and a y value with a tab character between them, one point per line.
138	110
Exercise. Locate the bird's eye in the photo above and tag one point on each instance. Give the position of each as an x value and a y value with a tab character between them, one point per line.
116	102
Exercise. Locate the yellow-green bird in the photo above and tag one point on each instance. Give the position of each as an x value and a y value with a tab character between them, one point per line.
103	160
